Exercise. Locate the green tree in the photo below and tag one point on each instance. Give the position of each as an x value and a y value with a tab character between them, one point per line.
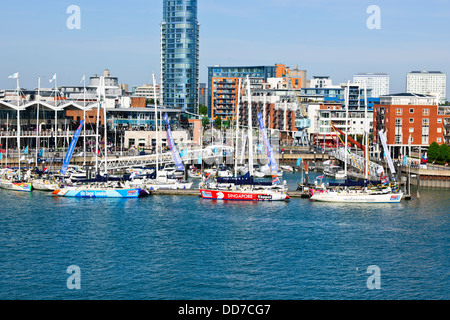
444	153
433	151
203	110
218	122
205	122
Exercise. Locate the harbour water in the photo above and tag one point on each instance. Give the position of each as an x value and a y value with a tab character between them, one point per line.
183	248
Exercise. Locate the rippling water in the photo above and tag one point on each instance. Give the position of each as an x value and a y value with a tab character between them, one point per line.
163	247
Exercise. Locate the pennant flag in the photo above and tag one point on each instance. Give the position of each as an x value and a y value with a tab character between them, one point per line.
276	181
269	150
1	156
46	169
71	149
26	150
299	162
319	177
84	78
173	147
14	76
199	160
53	78
40	152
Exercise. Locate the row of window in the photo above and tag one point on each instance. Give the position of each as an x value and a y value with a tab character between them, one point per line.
399	111
398	121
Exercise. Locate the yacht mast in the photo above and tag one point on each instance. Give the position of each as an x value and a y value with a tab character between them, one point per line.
250	129
156	125
237	127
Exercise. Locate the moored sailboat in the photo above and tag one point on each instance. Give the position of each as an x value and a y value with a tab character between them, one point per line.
246	188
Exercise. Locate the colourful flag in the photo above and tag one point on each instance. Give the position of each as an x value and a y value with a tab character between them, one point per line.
53	78
72	145
14	76
173	147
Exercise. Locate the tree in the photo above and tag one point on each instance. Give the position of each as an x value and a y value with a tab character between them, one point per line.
203	110
218	122
433	151
205	122
443	153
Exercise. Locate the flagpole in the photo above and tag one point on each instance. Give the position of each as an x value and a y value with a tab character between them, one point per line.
84	118
56	118
18	126
37	120
7	133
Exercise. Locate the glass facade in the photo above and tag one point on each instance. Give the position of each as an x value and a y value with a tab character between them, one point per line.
180	54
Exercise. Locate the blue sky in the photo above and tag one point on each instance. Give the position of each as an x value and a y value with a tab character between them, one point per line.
324	37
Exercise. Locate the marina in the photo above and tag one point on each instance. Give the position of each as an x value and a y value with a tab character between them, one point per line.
211	154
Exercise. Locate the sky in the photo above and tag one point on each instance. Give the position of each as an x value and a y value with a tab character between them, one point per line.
324	37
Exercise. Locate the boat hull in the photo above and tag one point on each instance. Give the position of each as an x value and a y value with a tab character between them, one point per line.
23	187
98	193
242	196
349	197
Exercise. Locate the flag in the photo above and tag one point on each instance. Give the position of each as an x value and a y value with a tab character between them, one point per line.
22	158
319	177
26	150
14	76
133	175
53	78
72	145
276	181
46	169
40	152
84	78
173	147
385	181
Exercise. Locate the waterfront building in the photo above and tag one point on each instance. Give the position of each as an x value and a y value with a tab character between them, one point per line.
320	82
427	82
408	118
202	94
378	82
146	91
180	55
223	84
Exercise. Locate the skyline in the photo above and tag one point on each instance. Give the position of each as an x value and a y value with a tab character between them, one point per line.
324	37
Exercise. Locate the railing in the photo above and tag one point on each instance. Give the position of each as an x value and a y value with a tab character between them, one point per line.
13	134
356	161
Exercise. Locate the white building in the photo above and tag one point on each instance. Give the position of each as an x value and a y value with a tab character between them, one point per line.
320	82
431	82
402	99
146	91
378	82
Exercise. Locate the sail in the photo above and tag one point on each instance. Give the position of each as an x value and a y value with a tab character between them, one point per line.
72	145
273	163
172	146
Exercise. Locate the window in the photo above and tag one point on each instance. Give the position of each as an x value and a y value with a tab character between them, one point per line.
439	130
439	120
439	140
411	110
411	120
425	122
411	130
426	112
398	112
